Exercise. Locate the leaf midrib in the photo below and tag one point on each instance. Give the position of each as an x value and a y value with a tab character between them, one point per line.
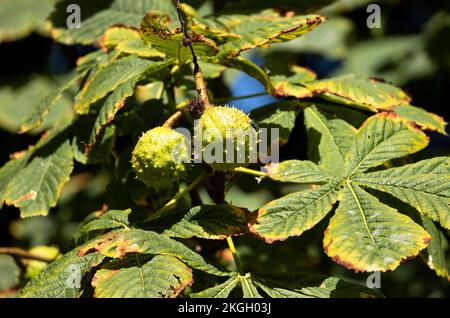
363	216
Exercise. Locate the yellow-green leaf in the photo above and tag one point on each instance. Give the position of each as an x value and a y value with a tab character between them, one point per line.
163	276
118	243
424	185
294	213
259	30
381	138
112	219
366	235
421	117
37	187
297	171
280	116
36	117
368	94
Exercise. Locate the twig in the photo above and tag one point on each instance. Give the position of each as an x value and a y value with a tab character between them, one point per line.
198	74
22	253
173	119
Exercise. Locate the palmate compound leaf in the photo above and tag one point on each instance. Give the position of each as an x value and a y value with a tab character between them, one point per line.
423	185
163	276
62	278
205	221
364	234
36	188
248	287
118	243
112	76
245	282
368	94
98	15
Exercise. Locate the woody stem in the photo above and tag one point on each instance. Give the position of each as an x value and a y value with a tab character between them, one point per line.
198	74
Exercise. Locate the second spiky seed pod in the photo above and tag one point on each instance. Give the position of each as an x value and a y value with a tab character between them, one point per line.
229	131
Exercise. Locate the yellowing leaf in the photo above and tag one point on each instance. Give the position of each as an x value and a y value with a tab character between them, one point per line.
294	213
36	188
424	185
368	94
421	117
381	138
366	235
297	171
118	243
260	30
162	277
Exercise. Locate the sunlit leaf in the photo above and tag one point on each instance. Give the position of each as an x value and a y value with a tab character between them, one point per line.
366	235
162	277
381	138
36	188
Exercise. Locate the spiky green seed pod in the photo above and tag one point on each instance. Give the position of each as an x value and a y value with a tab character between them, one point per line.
231	131
159	156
